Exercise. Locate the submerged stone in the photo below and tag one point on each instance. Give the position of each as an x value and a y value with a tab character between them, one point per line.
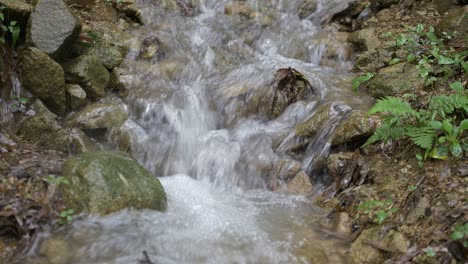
108	181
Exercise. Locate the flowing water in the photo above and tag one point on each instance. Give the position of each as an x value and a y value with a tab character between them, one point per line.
196	120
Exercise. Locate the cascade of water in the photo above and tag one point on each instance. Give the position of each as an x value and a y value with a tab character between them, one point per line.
196	110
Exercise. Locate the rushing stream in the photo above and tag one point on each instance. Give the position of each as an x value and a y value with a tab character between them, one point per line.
194	120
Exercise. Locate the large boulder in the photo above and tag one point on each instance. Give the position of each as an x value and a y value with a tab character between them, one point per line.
395	79
89	73
53	28
102	115
107	181
44	78
44	130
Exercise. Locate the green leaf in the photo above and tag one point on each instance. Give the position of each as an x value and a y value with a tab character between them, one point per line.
419	28
394	61
361	79
422	136
2	17
445	60
401	40
447	126
381	216
410	57
456	148
440	153
457	86
423	71
15	31
436	124
394	106
412	188
458	233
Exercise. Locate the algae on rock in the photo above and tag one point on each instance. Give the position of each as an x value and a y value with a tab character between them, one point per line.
103	182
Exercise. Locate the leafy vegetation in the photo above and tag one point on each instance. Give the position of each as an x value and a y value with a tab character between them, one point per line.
67	216
379	210
460	232
362	79
434	60
11	28
57	180
436	127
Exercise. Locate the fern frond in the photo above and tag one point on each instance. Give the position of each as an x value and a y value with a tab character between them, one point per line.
394	106
384	133
424	137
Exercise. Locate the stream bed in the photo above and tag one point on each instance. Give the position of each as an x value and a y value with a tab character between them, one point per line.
197	92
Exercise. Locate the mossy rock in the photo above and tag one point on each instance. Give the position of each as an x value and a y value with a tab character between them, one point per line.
89	73
395	79
103	182
44	78
99	115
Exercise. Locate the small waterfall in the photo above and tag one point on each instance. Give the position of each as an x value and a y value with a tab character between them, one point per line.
198	119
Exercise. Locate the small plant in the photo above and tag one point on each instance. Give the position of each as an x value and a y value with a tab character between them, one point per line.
362	79
12	28
380	210
432	58
66	216
460	232
57	180
436	129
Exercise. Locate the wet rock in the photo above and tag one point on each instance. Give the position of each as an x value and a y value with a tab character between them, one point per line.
89	73
152	49
130	9
77	95
53	28
291	86
337	164
238	8
170	68
357	126
395	79
456	20
99	115
44	78
307	8
300	185
128	136
364	39
108	181
310	127
57	251
44	130
363	252
286	169
117	80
